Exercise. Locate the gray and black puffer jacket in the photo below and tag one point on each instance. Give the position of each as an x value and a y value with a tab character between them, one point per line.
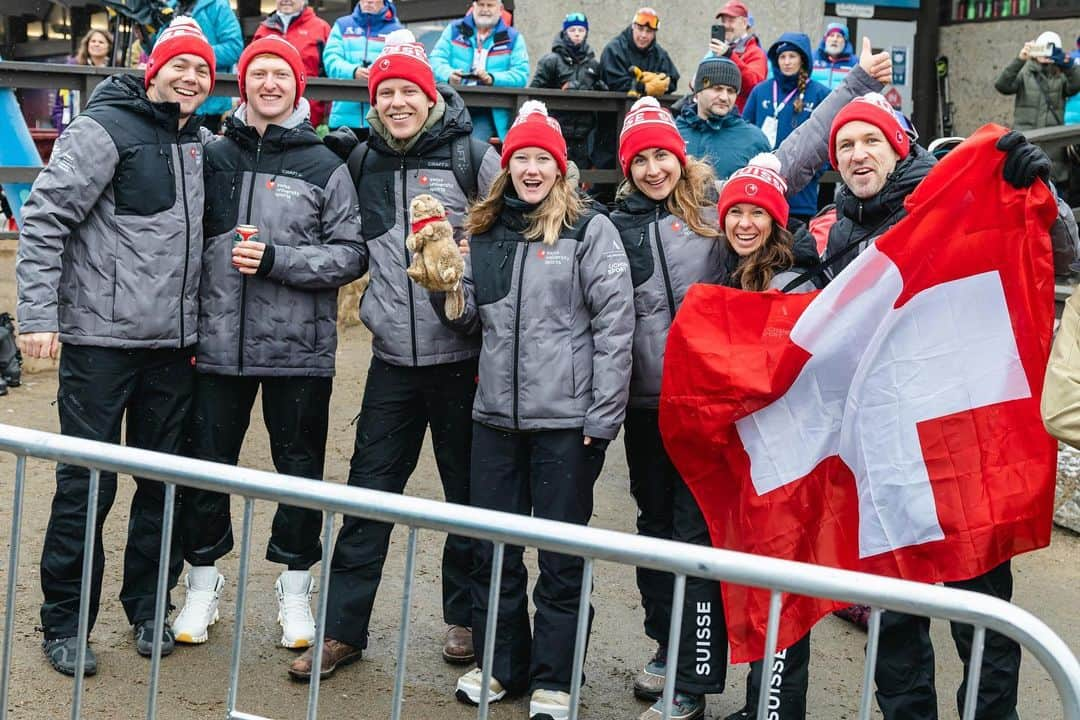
282	321
406	330
666	257
112	234
557	324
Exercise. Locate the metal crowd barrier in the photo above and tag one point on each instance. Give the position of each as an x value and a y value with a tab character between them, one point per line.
780	576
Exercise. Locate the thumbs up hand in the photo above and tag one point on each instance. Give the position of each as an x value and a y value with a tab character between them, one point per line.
877	65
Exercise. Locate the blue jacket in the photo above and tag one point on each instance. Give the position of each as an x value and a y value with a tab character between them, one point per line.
727	143
760	106
1072	105
355	41
831	71
222	30
507	60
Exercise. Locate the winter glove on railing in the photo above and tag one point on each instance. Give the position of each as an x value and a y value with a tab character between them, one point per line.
1024	161
656	84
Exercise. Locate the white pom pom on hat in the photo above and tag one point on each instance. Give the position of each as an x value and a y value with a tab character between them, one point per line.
532	106
402	36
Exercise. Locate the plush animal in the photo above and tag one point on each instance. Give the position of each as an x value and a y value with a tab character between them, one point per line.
436	261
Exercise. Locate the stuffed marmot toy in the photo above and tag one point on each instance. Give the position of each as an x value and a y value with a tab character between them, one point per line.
436	262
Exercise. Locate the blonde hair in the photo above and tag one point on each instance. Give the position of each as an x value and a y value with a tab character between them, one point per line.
82	55
560	209
695	190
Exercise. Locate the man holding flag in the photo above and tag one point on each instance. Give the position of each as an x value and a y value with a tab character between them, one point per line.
890	423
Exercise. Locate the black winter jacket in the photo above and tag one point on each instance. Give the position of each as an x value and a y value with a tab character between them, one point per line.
621	54
576	68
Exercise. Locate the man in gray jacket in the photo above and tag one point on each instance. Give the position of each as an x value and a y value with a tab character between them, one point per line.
108	264
267	318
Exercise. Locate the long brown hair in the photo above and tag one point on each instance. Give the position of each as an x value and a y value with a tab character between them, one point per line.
756	270
694	191
561	208
82	55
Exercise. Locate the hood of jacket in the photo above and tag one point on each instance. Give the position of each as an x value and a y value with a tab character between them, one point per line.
908	173
689	115
375	21
626	39
294	131
568	51
437	131
801	44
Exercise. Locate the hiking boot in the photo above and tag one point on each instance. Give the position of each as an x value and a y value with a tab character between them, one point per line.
63	655
200	610
458	647
549	705
334	655
144	639
649	683
294	609
469	684
685	707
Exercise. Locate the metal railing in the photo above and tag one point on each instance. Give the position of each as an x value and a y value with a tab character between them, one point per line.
592	544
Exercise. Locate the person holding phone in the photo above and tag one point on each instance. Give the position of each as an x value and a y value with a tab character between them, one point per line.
740	46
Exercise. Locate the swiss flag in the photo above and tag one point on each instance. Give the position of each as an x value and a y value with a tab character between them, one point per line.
889	423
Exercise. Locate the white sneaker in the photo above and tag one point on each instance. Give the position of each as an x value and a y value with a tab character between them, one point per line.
549	705
468	688
294	608
200	609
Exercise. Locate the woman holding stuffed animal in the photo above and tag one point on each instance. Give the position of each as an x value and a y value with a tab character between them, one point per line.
550	294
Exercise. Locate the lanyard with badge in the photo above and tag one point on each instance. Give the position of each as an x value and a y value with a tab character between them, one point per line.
769	126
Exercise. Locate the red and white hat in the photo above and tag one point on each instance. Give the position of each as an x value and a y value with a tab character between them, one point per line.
405	59
872	108
183	36
280	47
649	125
535	128
759	183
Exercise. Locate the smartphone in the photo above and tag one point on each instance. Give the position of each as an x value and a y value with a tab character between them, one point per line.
719	33
1040	51
470	76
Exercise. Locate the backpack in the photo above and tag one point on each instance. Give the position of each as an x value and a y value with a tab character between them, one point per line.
466	156
10	357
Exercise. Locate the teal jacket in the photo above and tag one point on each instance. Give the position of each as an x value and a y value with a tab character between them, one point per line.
727	143
507	59
355	41
222	30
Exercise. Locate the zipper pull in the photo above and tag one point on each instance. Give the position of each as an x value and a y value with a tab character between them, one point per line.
506	256
641	240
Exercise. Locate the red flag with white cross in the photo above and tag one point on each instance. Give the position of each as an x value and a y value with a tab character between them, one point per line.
889	423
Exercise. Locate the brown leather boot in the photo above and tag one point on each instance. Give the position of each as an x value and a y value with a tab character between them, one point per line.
334	653
458	648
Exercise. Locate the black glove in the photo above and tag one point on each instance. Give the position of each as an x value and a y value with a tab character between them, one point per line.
1023	161
341	141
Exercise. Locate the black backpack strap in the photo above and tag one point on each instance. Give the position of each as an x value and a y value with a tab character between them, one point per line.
356	162
466	157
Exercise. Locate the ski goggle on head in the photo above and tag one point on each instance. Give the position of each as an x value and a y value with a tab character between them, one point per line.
647	17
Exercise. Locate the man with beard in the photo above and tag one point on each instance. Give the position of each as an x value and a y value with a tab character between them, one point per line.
571	65
711	124
109	262
835	57
481	49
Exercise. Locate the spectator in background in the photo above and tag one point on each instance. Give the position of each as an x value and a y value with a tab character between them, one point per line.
741	47
571	65
354	43
95	48
1041	79
710	121
634	63
835	56
307	32
1072	105
481	49
218	22
783	103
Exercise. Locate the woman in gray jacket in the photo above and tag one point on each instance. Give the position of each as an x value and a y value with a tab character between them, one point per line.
550	294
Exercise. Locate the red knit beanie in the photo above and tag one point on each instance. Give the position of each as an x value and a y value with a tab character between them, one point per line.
648	125
759	183
535	128
279	47
402	58
876	110
183	36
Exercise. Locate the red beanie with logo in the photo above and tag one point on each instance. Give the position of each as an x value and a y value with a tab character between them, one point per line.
871	108
183	36
405	59
279	47
759	183
535	128
649	125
